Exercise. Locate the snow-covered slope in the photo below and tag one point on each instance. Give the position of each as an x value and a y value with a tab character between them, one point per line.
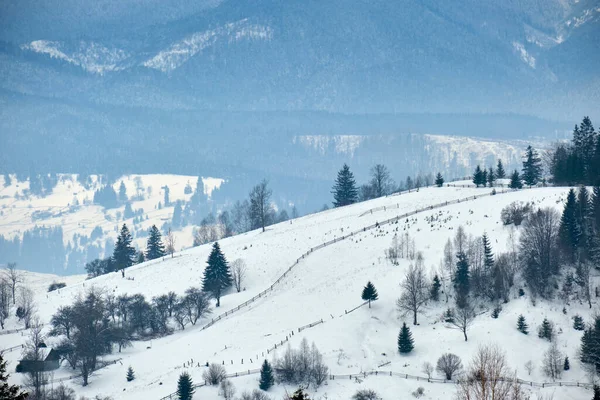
322	286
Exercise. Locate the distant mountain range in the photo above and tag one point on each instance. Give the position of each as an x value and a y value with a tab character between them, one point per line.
182	87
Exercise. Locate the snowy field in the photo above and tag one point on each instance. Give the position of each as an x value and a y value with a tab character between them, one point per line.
58	208
323	286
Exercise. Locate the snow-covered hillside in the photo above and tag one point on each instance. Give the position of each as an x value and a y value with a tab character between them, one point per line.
323	286
70	206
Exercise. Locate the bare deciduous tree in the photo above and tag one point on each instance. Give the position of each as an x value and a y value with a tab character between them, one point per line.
539	251
170	242
226	389
26	306
553	361
14	277
529	367
463	318
449	364
260	205
489	377
35	353
415	291
5	300
381	182
427	369
214	374
238	273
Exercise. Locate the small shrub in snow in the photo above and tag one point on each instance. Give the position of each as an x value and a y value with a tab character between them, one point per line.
578	323
214	374
496	311
566	365
521	292
56	285
419	392
226	389
448	364
130	375
546	330
449	316
529	367
366	394
61	392
255	395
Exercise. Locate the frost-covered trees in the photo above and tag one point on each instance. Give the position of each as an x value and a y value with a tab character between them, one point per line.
344	190
217	277
365	394
196	304
302	366
238	273
488	377
448	364
553	364
214	374
415	291
538	250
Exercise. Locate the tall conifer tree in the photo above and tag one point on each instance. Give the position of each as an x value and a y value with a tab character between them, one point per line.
217	276
532	167
462	280
154	247
500	173
124	253
344	191
406	343
515	181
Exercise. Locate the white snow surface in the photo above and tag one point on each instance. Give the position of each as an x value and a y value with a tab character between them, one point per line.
323	286
18	213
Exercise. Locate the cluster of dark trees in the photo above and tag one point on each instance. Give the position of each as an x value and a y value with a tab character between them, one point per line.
578	162
483	177
96	323
530	175
40	185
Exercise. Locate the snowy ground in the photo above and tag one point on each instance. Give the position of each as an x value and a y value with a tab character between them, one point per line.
323	286
18	213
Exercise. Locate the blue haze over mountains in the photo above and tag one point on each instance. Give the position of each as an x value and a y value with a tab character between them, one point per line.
222	88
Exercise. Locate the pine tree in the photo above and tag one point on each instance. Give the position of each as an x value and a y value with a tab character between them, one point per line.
185	387
596	392
500	173
266	376
122	193
369	293
488	256
124	253
154	247
217	276
128	212
491	177
595	208
435	288
532	167
130	374
140	257
462	280
9	392
177	211
484	177
405	340
546	330
578	323
522	325
439	180
478	176
569	231
566	365
344	191
584	140
515	181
